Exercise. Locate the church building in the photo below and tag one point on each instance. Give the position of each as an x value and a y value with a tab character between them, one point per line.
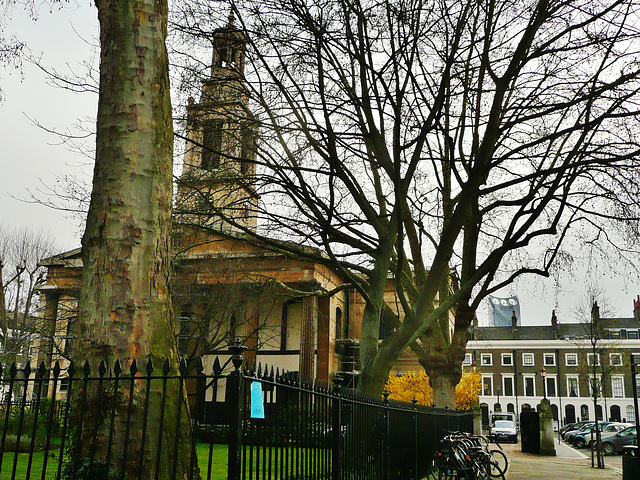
291	313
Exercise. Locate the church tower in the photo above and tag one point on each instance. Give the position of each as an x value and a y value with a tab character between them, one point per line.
217	186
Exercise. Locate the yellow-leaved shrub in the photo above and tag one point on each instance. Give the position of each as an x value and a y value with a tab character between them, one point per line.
405	388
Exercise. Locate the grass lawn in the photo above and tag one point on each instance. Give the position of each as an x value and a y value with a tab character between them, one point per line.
218	464
214	454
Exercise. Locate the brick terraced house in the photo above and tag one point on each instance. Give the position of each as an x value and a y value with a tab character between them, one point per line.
564	362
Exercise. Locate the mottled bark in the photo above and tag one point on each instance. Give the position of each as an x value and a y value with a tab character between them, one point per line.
125	305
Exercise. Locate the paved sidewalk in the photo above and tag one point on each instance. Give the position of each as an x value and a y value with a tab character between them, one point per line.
567	464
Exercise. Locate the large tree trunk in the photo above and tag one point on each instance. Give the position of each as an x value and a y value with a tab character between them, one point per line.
125	305
442	358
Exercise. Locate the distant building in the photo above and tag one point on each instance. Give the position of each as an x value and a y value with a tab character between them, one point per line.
573	358
503	310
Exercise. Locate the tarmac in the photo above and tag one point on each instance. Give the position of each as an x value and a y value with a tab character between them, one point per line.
568	463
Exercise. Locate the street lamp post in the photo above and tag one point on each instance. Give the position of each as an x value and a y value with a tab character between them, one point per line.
543	374
498	392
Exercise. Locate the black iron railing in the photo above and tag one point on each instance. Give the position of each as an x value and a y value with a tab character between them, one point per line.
245	424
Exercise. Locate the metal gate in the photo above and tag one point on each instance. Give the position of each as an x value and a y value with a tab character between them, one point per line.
530	431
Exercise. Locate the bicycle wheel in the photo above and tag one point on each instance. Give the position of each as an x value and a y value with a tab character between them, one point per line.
499	463
438	466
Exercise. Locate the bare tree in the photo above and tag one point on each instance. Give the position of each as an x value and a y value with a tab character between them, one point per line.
21	251
594	313
450	147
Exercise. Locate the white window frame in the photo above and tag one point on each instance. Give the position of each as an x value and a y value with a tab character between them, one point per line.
554	379
590	385
509	356
513	385
544	359
524	385
619	378
468	359
484	356
490	378
525	363
570	355
615	363
630	414
577	379
590	359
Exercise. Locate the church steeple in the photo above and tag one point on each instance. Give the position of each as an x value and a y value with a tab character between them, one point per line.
229	45
217	184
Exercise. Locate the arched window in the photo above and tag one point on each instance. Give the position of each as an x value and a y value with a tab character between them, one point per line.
599	412
570	414
630	414
511	408
338	322
615	413
484	410
211	144
554	412
584	413
497	407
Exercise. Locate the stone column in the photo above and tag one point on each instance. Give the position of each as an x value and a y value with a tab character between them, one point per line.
324	335
252	326
547	445
45	353
477	420
47	339
308	337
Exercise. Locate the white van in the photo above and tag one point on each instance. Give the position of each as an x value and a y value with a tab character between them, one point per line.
503	416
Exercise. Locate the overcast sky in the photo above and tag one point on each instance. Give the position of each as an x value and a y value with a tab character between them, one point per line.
32	157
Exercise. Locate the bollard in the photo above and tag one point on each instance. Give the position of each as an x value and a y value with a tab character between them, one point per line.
630	463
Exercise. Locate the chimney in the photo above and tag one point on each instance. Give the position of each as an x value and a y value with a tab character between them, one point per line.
595	313
474	334
554	323
514	325
636	309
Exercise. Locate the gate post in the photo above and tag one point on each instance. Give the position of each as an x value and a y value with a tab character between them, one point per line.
387	436
235	397
547	446
477	420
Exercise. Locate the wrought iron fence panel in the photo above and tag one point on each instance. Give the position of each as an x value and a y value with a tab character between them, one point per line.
247	423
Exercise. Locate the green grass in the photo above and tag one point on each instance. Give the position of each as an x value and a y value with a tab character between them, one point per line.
22	465
218	462
219	455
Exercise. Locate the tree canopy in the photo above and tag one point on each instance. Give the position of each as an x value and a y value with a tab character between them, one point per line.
450	146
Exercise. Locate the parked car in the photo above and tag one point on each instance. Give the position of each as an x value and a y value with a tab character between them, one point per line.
574	428
568	436
584	438
566	428
613	444
504	430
